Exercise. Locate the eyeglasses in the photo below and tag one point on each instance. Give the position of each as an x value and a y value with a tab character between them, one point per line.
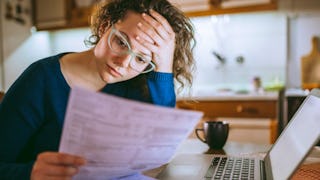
119	44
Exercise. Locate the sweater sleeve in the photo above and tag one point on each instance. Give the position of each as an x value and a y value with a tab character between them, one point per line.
15	171
161	89
20	114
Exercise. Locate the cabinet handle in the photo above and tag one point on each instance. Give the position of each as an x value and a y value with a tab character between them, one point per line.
250	110
239	109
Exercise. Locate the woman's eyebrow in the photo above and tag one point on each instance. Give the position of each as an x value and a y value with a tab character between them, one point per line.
125	36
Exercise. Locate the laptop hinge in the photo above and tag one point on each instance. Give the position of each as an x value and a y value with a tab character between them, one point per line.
262	170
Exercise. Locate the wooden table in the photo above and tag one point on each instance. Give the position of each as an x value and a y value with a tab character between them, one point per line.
195	146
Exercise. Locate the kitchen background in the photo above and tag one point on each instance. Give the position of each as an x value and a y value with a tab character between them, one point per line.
268	45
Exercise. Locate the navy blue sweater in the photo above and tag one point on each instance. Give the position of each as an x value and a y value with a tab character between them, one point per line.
33	109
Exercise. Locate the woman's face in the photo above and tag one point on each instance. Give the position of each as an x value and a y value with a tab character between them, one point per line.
115	67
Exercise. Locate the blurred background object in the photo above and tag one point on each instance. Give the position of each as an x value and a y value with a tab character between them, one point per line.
310	66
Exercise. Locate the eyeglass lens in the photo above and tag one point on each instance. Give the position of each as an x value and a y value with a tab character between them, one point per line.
119	45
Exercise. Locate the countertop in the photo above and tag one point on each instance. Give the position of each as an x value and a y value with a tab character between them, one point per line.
296	92
230	96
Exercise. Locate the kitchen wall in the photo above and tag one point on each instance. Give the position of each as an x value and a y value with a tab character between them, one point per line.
69	40
271	45
259	38
39	45
34	47
15	25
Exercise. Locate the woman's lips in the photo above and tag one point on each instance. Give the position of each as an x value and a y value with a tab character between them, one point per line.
113	71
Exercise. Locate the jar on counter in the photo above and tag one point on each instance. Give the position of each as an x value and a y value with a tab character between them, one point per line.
257	84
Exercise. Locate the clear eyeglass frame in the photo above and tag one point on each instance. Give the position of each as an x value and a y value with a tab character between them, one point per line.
135	58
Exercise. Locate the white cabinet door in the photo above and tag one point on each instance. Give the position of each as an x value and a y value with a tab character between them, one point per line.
50	14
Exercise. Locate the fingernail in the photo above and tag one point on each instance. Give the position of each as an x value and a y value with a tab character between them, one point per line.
139	24
81	161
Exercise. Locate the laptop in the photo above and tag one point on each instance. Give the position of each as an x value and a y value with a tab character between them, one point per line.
293	145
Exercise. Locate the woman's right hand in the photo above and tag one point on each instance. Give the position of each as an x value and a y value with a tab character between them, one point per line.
55	165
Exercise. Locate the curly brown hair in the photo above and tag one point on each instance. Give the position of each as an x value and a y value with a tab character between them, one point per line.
115	10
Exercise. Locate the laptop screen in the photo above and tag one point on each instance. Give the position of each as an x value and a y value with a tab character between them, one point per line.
298	138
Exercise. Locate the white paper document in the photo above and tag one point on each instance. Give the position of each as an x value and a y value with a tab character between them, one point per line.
119	137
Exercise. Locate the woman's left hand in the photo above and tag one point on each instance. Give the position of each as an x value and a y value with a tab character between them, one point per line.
161	40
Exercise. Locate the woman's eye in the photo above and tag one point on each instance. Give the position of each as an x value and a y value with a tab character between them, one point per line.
140	60
120	42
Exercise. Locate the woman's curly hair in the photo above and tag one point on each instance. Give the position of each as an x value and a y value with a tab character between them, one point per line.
114	10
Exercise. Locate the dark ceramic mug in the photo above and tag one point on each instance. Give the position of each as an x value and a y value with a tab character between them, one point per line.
215	133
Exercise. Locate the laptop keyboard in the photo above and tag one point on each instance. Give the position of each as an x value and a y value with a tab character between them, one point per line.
231	168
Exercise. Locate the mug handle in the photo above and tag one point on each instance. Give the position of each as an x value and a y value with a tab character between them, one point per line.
197	130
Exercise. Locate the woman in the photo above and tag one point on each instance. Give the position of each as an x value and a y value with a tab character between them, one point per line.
139	48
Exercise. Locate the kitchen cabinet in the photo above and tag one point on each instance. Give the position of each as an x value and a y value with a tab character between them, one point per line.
245	116
297	6
60	14
194	8
231	108
50	14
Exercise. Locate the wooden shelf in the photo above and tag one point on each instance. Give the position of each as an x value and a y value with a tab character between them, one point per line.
214	10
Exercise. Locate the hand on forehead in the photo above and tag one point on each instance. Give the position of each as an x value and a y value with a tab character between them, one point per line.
129	25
